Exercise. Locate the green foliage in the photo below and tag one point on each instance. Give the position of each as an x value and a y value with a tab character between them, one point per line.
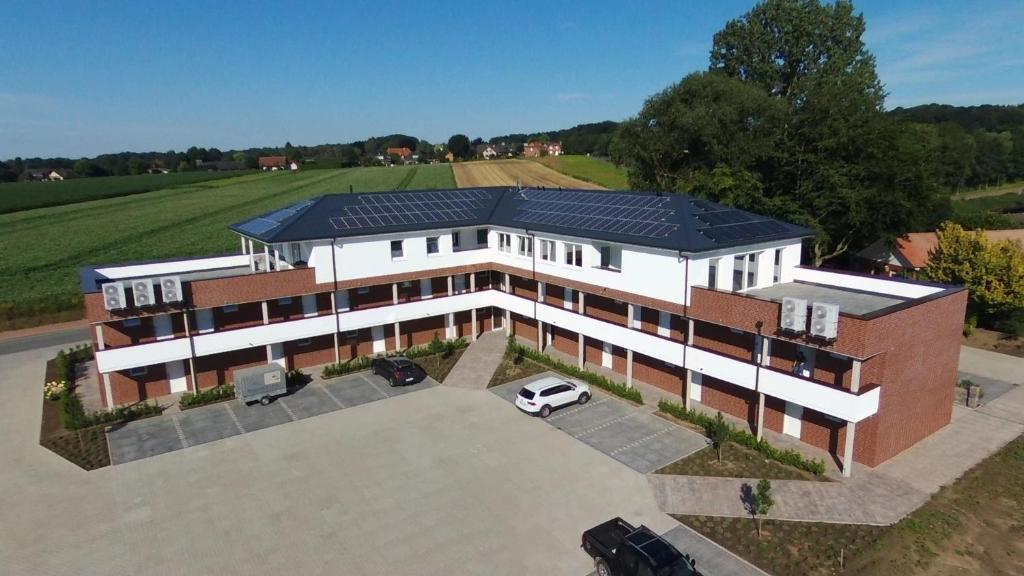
619	390
993	272
435	345
744	438
296	377
762	501
719	432
357	364
459	146
208	396
72	414
360	363
1012	324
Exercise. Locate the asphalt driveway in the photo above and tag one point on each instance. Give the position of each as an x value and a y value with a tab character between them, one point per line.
170	432
618	429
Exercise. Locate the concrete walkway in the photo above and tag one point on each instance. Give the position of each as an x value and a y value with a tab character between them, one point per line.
478	363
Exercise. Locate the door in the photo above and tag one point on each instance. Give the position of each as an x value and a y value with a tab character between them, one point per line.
792	418
426	289
277	355
460	283
377	333
309	305
606	354
804	365
162	328
569	296
176	376
696	380
497	318
341	300
204	320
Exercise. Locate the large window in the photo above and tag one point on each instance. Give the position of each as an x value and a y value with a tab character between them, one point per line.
778	266
751	270
713	273
481	236
525	246
744	273
456	240
547	250
574	254
432	245
396	249
737	272
504	242
611	257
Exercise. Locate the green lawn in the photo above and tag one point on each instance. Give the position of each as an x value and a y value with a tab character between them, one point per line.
17	196
44	248
600	172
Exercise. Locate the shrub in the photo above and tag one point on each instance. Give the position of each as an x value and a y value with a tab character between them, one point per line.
354	365
359	363
746	439
122	414
1012	325
296	378
209	396
620	390
53	389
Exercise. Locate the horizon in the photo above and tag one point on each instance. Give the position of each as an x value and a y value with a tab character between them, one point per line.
232	79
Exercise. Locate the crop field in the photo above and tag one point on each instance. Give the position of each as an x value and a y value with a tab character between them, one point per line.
512	172
15	196
594	170
44	248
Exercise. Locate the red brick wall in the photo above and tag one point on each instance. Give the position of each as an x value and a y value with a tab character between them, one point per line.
319	350
606	309
523	287
128	389
250	287
554	295
463	325
524	327
116	334
658	373
283	312
377	295
729	398
724	341
566	341
219	368
421	331
247	315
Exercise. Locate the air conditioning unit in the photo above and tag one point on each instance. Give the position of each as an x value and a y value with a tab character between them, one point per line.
824	320
170	289
142	290
113	296
794	314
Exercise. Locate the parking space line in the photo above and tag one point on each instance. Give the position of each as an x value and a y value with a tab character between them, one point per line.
177	428
333	397
605	425
576	409
375	387
227	406
288	410
640	441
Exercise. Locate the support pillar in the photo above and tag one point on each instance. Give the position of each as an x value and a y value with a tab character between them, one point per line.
472	282
398	337
760	415
629	368
266	320
851	427
277	259
580	353
508	323
192	355
540	336
242	238
451	289
472	320
266	258
334	310
763	360
252	258
394	293
688	388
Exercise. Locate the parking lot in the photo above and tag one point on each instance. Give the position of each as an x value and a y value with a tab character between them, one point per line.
170	432
618	429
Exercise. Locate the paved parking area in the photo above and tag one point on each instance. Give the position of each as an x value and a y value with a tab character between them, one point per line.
162	434
625	432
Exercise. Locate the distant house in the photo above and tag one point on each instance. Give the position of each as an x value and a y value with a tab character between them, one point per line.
293	165
220	165
274	163
536	149
449	156
489	151
403	153
49	174
158	170
909	254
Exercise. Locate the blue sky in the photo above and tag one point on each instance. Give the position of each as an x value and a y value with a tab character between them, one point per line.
84	79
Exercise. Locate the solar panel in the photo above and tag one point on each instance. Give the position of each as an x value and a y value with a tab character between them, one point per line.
704	205
743	231
629	214
257	225
724	217
408	208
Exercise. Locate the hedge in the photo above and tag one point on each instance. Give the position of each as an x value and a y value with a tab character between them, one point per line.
359	363
208	396
620	390
744	438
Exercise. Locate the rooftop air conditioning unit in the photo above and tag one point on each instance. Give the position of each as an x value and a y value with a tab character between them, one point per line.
794	314
113	296
824	320
170	289
142	290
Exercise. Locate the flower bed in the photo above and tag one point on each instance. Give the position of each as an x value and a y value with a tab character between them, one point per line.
620	390
444	349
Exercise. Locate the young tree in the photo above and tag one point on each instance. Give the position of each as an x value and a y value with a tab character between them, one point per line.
762	501
993	272
718	431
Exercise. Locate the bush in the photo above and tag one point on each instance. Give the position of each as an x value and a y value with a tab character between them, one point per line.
215	394
359	363
1012	325
620	390
744	438
354	365
296	378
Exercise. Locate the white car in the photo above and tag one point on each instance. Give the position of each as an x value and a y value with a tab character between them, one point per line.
546	394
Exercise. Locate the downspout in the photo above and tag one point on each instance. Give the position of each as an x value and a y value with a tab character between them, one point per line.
686	312
334	297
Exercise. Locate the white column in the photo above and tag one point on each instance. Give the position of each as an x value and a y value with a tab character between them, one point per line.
266	258
108	390
763	341
851	427
398	337
266	320
451	289
581	352
191	357
394	293
540	335
472	320
687	388
277	259
629	368
252	258
472	282
334	310
242	238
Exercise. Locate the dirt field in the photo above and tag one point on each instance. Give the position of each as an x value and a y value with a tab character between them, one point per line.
508	172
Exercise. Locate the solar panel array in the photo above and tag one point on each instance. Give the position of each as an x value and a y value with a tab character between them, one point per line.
407	208
729	225
262	224
630	214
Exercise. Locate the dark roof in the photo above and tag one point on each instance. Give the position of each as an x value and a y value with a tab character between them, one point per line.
673	221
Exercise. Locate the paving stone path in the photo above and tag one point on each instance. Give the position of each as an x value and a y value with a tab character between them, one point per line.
476	366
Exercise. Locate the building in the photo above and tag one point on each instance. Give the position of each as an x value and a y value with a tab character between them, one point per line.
909	254
49	174
536	149
403	153
275	163
710	304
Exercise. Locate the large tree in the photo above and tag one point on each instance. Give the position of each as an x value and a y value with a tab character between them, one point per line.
993	272
458	145
789	122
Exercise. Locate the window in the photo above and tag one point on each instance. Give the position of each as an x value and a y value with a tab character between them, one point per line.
504	242
139	371
131	322
303	342
363	290
713	273
456	240
230	308
481	236
432	247
525	246
611	257
751	270
737	272
574	254
295	250
547	250
284	301
352	334
778	266
396	249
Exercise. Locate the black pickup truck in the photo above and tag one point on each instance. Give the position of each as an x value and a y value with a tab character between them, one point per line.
620	549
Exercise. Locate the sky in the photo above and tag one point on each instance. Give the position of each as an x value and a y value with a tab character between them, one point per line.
85	78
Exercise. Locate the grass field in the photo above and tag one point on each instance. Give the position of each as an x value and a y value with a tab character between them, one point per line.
512	172
594	170
44	248
17	196
1017	187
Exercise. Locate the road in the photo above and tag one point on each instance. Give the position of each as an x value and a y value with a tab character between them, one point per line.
44	340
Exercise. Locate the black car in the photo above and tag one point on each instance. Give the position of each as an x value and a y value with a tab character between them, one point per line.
621	549
399	370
